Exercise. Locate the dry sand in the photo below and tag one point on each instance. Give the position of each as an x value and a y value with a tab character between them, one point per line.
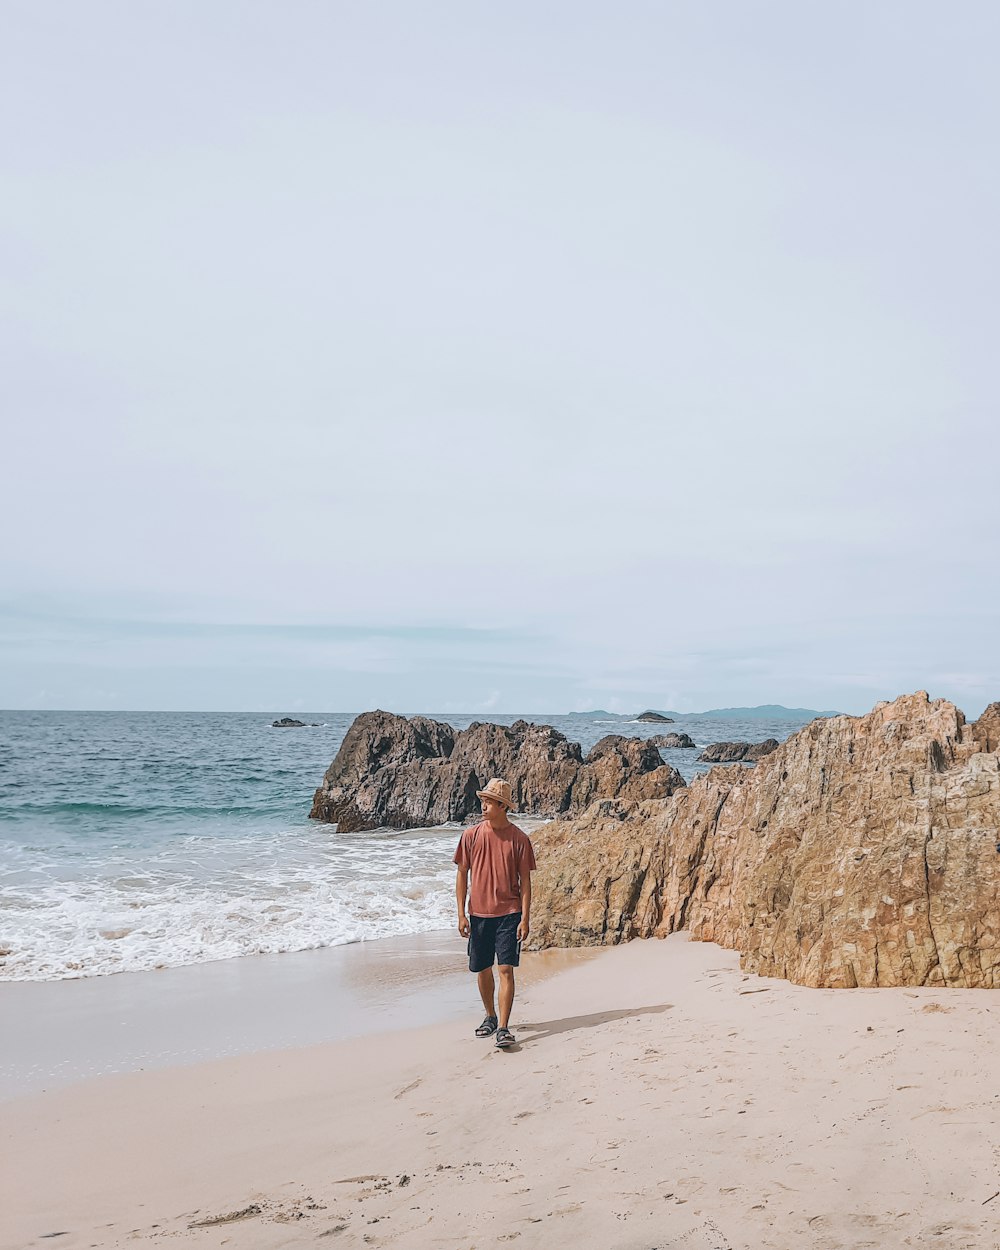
658	1098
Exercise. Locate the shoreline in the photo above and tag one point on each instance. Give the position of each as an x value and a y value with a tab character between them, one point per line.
658	1097
196	1013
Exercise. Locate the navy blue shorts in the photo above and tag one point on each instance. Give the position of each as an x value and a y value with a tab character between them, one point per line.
493	937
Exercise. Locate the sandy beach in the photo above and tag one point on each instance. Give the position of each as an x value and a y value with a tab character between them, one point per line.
658	1098
58	1033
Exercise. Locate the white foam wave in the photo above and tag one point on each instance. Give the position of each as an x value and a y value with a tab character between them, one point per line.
211	899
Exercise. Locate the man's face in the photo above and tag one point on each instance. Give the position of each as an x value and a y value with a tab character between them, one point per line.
494	812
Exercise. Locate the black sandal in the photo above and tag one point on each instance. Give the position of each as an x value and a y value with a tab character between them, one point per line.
505	1038
488	1027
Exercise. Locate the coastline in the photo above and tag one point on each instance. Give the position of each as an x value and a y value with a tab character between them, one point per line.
150	860
659	1097
59	1032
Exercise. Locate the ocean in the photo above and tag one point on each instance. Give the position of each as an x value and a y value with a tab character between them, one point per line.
139	840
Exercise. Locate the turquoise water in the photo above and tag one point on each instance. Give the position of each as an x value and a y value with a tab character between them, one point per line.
136	840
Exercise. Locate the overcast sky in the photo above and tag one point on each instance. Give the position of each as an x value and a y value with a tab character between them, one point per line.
522	357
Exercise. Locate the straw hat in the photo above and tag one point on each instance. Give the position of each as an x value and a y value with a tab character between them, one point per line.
499	790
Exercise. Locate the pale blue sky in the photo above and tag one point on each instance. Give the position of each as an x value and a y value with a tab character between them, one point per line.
525	358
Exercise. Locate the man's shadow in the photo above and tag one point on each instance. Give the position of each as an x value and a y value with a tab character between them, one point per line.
552	1028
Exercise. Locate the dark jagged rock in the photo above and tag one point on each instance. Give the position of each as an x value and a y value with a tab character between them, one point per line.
286	722
622	768
655	718
404	773
737	752
673	740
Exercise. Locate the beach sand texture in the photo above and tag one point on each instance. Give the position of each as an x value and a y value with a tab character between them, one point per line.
659	1098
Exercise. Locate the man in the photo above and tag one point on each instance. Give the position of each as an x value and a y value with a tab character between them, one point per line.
498	857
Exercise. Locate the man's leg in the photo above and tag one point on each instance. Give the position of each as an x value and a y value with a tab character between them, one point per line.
508	957
487	989
506	992
482	953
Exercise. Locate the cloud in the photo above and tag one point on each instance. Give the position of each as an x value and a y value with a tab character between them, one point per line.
395	371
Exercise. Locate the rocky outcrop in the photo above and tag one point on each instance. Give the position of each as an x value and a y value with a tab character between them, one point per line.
286	722
735	752
986	730
860	852
673	740
655	718
404	773
625	769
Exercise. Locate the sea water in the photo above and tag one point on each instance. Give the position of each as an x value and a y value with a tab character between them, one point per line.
139	840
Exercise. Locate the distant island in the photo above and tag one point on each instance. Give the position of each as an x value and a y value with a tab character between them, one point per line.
764	711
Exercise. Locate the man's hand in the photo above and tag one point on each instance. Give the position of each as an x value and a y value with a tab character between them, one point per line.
461	895
523	929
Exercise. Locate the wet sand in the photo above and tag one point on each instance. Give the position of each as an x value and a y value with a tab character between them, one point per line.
55	1033
658	1098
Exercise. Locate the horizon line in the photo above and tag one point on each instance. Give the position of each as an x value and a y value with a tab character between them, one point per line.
111	711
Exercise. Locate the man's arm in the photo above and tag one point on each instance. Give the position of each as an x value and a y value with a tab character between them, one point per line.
524	928
461	893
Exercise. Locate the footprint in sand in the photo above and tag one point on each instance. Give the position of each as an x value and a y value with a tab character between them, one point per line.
704	1236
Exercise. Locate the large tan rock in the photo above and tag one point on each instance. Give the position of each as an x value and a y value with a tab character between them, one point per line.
860	852
986	730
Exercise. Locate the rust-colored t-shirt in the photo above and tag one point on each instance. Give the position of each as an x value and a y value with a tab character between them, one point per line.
498	861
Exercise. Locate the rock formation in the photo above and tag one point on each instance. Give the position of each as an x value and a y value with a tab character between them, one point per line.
986	730
861	852
673	740
286	722
655	718
405	774
734	752
623	768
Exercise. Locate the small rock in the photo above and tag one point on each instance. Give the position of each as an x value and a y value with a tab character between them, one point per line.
735	752
673	740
